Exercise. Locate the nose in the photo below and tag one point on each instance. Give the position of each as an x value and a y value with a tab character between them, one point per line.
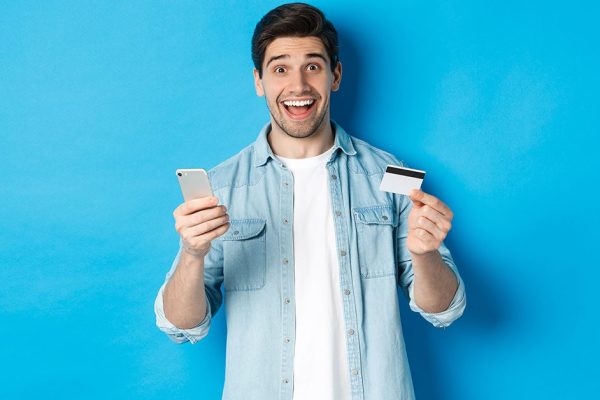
299	83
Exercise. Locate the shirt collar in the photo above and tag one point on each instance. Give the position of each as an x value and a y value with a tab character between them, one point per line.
262	150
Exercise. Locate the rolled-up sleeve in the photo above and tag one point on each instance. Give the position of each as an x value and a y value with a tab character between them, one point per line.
178	335
212	282
406	275
457	305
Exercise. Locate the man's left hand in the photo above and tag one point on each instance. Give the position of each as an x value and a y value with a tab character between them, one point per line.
429	222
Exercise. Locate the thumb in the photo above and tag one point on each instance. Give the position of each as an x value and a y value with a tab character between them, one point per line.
416	195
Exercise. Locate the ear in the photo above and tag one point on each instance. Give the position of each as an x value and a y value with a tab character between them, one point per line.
337	77
260	91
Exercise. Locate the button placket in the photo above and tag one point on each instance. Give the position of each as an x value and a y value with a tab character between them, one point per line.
344	260
287	279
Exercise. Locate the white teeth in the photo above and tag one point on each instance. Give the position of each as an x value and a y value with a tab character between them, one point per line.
298	103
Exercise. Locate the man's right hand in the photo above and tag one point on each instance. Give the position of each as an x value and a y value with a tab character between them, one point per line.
198	222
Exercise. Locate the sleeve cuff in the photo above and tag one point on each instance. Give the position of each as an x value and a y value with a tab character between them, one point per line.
178	335
456	308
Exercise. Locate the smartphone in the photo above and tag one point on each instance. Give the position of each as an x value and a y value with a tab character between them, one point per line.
194	183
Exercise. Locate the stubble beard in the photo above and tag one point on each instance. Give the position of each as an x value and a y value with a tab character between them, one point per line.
299	132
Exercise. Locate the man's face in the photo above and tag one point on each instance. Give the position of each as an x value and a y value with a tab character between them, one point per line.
297	82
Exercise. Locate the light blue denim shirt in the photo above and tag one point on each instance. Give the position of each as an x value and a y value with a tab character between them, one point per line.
253	262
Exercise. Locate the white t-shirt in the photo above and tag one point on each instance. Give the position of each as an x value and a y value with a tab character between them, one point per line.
320	361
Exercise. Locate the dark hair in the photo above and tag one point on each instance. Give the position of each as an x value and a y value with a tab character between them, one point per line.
293	20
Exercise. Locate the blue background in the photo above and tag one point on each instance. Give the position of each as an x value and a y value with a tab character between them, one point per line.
101	101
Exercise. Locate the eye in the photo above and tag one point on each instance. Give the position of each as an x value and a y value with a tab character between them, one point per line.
312	67
279	70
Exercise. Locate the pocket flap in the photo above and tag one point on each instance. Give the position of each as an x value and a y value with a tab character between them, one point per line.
381	214
240	229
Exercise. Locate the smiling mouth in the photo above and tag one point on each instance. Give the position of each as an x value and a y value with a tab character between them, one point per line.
298	109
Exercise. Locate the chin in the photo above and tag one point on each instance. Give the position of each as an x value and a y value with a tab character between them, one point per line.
300	132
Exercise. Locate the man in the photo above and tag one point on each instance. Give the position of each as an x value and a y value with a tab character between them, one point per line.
309	251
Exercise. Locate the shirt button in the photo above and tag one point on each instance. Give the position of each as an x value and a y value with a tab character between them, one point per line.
284	380
286	300
347	292
354	372
286	339
334	177
285	221
338	213
285	261
385	218
285	184
350	332
343	253
236	232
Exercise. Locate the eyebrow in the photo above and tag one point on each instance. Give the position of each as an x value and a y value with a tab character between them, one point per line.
309	55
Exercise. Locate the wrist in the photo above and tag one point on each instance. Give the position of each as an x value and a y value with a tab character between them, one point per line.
192	253
424	258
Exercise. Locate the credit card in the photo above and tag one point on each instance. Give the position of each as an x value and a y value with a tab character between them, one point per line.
401	180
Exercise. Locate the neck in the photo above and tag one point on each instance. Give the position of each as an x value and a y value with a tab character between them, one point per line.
288	146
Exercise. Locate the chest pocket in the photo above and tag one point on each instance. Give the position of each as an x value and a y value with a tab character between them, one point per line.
375	230
244	255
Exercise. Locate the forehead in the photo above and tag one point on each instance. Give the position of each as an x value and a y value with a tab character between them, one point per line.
295	47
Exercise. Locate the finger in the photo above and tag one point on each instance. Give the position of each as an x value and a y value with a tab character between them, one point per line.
426	224
201	229
199	217
432	201
202	216
208	237
442	221
215	233
414	196
422	241
191	206
424	236
417	202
